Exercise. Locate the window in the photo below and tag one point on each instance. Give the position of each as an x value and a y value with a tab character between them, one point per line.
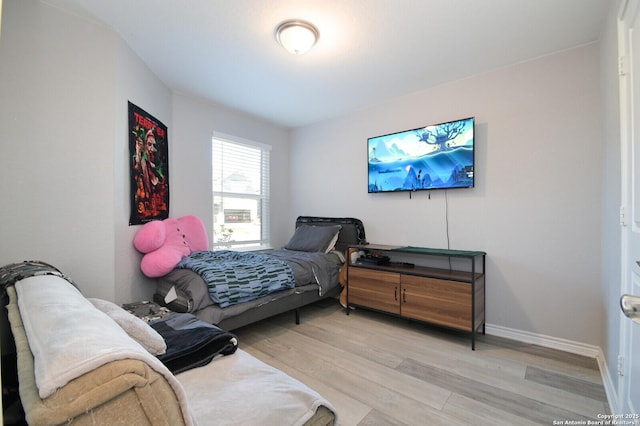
240	193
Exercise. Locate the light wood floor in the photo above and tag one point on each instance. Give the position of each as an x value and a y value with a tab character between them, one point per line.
381	370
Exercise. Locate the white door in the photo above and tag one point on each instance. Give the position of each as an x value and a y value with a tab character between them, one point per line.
629	67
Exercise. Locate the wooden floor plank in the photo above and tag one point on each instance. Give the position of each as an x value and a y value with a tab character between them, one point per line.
490	395
311	356
570	384
561	362
505	372
375	418
382	370
473	412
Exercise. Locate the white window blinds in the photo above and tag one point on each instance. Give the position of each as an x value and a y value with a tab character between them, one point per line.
240	193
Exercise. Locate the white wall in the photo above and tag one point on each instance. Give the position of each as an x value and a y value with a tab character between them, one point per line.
63	95
190	159
57	115
64	158
536	207
136	83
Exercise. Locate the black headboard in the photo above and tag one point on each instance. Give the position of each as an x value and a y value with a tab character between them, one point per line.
352	231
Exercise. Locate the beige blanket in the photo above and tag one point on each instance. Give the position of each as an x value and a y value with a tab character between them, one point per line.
75	362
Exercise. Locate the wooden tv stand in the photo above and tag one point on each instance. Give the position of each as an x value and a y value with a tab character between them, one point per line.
444	296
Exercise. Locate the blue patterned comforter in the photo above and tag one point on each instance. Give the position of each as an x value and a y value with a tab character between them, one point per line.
235	277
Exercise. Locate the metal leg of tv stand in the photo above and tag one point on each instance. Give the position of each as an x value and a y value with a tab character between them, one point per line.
473	336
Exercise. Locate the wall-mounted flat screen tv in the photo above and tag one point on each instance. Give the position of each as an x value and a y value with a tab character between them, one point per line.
440	156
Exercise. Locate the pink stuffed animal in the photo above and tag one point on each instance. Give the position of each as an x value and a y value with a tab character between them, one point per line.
166	242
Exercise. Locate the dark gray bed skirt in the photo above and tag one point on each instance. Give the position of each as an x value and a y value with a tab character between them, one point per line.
275	307
236	316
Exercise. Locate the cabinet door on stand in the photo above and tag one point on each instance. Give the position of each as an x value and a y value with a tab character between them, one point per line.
437	301
374	289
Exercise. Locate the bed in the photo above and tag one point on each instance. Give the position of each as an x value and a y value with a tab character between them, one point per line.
184	289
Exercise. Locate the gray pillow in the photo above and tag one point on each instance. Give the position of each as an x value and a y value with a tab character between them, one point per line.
313	238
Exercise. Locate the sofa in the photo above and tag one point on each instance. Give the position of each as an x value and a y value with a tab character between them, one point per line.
79	363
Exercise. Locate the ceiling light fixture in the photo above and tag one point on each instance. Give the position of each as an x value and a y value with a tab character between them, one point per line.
298	37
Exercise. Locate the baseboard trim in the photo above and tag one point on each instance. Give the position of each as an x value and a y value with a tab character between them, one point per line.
609	388
566	346
542	340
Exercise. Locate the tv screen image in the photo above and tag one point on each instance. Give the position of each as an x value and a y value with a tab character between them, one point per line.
434	157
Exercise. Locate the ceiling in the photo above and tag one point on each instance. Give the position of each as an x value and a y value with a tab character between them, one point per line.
369	50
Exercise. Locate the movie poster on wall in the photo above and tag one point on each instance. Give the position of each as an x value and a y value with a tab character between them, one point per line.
149	153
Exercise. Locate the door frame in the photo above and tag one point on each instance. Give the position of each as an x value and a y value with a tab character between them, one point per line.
628	21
